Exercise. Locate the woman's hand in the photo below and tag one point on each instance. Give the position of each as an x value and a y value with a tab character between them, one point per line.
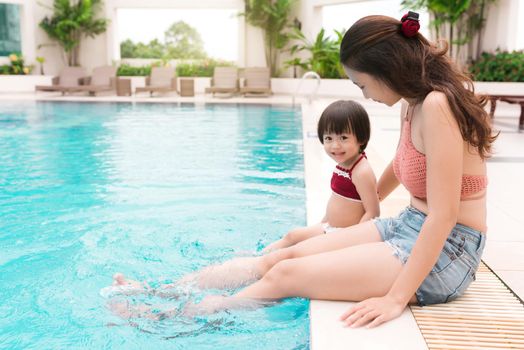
374	311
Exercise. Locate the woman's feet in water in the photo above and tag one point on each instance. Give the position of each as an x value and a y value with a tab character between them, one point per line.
232	274
215	303
126	310
123	286
209	305
119	280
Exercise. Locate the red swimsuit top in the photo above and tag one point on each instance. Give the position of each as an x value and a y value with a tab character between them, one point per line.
341	182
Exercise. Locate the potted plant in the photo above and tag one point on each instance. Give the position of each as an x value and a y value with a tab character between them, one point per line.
459	21
272	16
323	54
41	61
72	20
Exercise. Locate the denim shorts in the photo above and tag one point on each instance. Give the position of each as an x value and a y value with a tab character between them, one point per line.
456	266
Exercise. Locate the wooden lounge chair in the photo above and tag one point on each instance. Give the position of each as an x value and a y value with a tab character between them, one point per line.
69	77
161	80
518	99
257	82
103	79
224	81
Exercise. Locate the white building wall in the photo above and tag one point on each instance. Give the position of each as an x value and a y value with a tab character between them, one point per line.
502	26
520	29
254	47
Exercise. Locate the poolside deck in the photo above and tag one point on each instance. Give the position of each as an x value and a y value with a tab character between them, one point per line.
504	252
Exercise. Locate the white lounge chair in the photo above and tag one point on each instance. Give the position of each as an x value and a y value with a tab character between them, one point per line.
224	81
161	80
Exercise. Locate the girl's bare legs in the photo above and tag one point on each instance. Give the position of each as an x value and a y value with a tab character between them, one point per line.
295	236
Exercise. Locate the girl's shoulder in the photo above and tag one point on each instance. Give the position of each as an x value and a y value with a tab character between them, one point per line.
363	169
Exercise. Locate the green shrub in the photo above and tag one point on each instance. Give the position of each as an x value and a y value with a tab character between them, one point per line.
125	70
199	68
203	68
499	66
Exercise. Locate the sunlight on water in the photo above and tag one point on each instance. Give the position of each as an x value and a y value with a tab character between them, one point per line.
154	191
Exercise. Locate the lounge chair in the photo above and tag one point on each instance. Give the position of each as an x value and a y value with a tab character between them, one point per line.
224	81
68	78
162	80
103	79
257	82
518	99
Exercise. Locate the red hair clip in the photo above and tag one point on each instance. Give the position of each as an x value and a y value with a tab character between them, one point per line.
410	24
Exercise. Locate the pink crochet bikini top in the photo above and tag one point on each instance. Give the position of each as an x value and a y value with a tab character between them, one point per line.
409	166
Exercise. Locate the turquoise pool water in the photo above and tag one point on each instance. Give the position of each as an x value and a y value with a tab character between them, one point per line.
154	191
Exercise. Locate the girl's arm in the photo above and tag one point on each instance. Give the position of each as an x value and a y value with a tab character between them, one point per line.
366	184
443	146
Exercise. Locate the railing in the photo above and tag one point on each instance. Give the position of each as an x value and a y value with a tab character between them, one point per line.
307	75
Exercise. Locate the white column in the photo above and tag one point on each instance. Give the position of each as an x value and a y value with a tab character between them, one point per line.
242	42
112	45
520	27
501	26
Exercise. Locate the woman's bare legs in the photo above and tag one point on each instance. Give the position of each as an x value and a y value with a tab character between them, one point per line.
351	236
242	271
352	264
295	236
353	274
349	264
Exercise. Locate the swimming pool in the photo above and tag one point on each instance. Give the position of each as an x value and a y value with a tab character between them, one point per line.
154	191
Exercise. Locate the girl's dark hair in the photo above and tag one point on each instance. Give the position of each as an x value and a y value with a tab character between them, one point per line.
413	67
345	117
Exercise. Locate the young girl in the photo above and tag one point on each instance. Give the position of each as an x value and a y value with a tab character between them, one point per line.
429	253
344	131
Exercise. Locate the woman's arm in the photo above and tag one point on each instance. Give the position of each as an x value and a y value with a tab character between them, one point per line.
387	182
443	146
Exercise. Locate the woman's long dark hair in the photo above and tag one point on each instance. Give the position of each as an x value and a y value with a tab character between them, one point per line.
413	67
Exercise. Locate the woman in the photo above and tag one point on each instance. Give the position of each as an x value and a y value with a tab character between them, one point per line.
430	252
